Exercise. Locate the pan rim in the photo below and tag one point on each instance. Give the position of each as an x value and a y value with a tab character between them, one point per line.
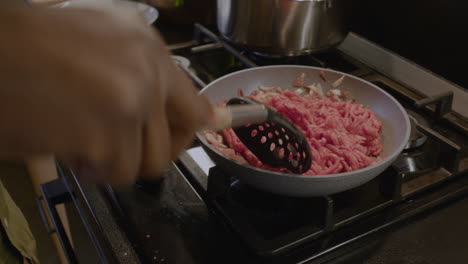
390	157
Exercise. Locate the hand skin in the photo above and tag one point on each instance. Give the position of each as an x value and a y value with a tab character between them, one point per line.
97	89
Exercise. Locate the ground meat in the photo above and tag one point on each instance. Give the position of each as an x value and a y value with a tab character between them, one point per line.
343	136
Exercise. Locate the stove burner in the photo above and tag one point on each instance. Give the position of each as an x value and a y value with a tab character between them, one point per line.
415	158
415	162
417	138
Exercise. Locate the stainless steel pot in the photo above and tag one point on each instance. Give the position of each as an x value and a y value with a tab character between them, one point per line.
283	27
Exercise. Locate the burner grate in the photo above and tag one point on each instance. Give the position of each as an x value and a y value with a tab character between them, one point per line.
273	224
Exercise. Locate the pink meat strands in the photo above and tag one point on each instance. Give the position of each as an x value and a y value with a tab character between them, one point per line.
342	134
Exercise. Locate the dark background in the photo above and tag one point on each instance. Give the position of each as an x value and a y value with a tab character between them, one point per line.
431	33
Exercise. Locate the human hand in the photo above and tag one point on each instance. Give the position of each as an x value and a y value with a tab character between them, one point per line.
97	89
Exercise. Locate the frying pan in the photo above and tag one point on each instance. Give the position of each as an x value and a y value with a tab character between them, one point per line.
395	129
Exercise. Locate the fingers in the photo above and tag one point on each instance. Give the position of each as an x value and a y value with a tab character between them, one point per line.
112	158
187	112
156	145
126	157
182	139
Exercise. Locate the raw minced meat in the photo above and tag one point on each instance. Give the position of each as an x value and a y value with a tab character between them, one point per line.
343	135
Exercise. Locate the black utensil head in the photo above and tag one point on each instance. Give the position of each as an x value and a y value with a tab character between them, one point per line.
277	143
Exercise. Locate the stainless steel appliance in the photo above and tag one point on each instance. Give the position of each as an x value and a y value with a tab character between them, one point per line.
284	27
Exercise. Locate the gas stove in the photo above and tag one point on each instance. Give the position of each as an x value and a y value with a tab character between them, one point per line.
200	203
273	226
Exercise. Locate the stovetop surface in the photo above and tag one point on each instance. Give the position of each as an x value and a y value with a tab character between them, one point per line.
168	222
177	221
